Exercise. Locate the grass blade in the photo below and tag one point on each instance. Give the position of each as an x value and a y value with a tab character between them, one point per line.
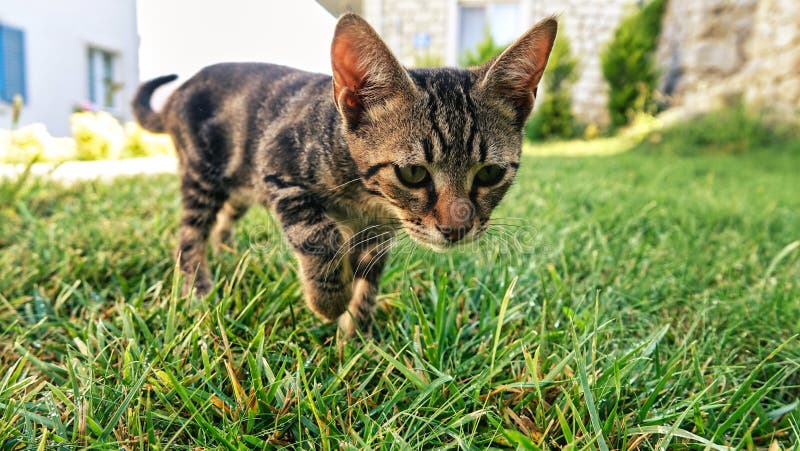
500	318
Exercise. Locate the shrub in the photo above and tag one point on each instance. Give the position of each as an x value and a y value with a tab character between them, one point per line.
428	59
484	51
141	143
97	136
27	143
628	65
33	143
553	117
100	136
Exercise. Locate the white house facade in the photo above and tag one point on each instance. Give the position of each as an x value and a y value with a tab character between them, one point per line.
66	55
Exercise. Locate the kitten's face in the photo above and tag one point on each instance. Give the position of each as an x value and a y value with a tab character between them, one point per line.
440	147
442	158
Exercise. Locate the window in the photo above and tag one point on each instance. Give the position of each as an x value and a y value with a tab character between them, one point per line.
102	87
12	63
502	19
471	27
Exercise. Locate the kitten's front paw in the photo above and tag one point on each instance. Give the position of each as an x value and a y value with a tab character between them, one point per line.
222	240
346	325
199	287
350	326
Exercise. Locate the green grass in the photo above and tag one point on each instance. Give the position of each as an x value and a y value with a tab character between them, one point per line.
646	300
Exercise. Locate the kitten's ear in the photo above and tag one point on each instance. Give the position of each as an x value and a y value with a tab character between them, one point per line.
515	74
365	73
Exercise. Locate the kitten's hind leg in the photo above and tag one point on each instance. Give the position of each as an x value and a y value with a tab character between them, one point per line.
222	234
202	200
369	251
317	241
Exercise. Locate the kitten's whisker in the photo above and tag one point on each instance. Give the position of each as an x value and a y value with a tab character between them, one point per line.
503	235
414	246
370	259
500	230
509	225
388	219
505	227
512	230
343	252
345	184
345	249
350	246
511	218
403	247
379	257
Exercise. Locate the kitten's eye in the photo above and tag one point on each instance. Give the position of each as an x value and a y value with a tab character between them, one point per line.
414	176
489	175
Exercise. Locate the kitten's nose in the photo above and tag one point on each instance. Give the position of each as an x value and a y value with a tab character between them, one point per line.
454	234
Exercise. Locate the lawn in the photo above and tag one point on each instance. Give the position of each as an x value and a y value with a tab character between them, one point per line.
628	301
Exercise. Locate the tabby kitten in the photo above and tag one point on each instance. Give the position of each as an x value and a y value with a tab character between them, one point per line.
345	161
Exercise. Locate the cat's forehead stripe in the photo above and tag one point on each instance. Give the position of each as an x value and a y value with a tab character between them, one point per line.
433	118
427	147
451	114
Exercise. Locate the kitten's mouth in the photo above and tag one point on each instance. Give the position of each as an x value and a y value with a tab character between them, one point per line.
443	245
441	239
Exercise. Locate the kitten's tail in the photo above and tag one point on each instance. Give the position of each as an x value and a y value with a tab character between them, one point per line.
147	118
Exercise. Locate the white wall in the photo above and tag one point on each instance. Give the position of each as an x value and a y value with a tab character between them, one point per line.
183	36
57	35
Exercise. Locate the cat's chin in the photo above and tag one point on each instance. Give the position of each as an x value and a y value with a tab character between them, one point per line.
442	246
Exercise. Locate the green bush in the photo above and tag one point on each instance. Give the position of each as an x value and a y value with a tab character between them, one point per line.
24	144
553	117
428	59
628	65
141	143
483	51
98	136
33	143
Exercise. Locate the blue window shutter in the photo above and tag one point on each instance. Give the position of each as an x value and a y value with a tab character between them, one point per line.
92	75
12	63
2	64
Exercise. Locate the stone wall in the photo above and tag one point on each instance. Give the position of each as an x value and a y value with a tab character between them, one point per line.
711	52
715	51
398	21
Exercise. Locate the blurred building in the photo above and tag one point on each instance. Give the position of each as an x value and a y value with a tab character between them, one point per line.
439	32
715	52
175	37
710	51
65	55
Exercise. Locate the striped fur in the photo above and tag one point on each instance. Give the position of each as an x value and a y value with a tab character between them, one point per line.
327	154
